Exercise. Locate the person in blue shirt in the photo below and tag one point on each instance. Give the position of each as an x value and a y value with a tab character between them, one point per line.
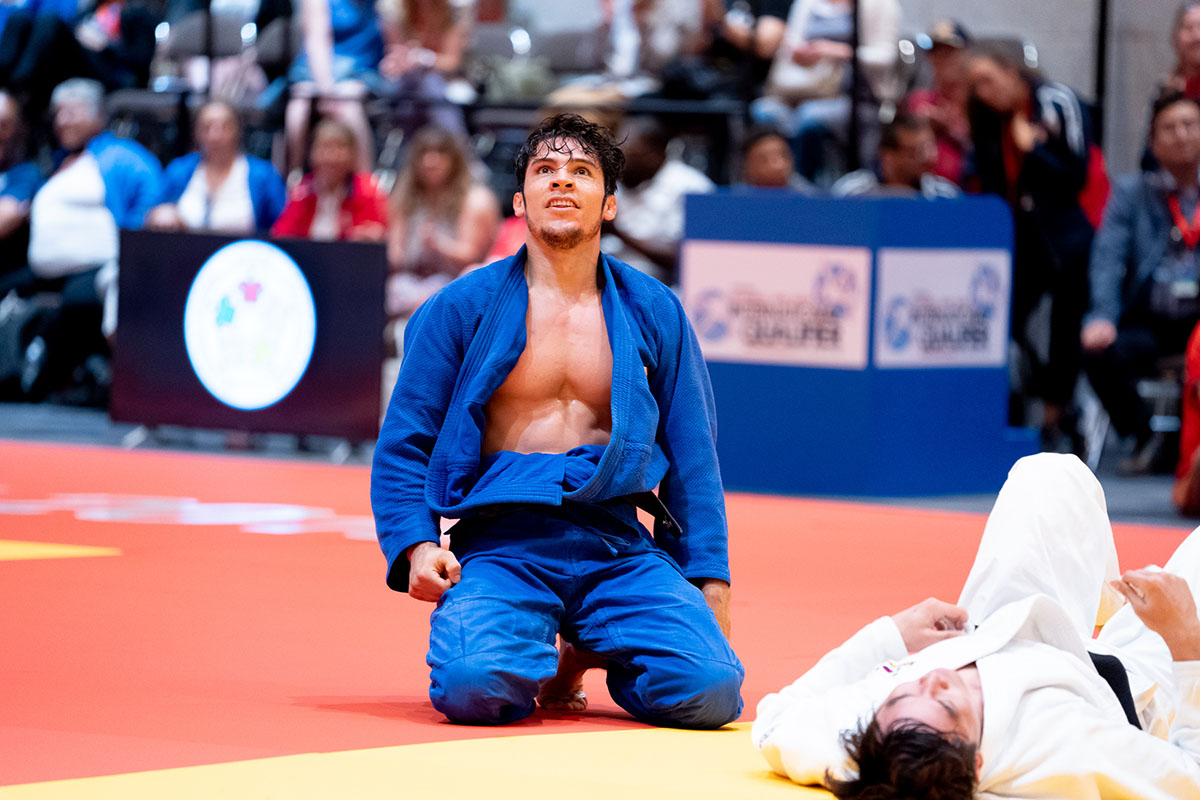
219	187
540	401
100	185
19	179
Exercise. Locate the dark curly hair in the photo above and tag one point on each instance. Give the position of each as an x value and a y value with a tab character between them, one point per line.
595	140
909	761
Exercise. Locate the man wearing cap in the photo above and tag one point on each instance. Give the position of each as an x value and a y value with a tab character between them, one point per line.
945	103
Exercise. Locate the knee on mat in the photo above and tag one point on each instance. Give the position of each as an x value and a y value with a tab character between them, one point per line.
706	696
479	690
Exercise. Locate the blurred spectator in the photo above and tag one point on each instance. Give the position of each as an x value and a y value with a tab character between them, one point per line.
646	35
1144	276
219	187
808	87
440	220
1031	142
945	103
343	45
101	183
745	36
1185	38
19	179
907	157
334	202
426	40
41	46
649	223
767	162
1186	492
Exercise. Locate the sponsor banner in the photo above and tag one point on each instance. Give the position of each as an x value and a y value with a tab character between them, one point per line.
786	304
942	307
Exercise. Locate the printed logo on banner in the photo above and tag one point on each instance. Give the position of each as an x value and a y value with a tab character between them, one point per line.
942	308
778	304
249	325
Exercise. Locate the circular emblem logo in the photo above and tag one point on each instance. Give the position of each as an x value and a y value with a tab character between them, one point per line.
249	325
836	289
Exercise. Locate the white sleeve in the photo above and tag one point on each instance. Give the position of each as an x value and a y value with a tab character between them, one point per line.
798	729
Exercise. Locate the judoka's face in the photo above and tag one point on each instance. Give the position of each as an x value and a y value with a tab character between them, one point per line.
563	201
947	700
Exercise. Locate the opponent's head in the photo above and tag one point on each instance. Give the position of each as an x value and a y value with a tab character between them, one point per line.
567	171
907	761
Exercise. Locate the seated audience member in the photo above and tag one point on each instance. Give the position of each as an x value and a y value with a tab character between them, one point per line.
767	162
339	64
907	158
219	187
944	104
808	88
102	183
426	40
19	179
440	220
1185	40
647	35
1144	274
111	42
756	28
647	232
333	202
1032	145
1007	694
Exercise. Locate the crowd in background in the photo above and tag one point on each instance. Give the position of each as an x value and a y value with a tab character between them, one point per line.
371	123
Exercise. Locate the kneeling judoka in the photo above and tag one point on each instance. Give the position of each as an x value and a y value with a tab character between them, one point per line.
1008	694
540	401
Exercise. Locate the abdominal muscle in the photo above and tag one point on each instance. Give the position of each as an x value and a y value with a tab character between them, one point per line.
552	425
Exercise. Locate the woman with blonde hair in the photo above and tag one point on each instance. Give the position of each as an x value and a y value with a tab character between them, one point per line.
441	220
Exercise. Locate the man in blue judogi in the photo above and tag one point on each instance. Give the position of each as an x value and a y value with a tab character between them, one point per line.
540	401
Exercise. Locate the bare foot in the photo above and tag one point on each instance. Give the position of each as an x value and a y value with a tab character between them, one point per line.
564	692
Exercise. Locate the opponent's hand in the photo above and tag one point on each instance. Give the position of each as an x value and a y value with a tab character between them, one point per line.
431	571
1164	603
930	621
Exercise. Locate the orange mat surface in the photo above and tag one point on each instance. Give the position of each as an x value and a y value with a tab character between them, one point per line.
165	610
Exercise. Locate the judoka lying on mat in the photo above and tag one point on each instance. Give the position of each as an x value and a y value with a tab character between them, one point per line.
1003	694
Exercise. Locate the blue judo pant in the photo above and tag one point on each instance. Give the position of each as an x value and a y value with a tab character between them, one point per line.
602	584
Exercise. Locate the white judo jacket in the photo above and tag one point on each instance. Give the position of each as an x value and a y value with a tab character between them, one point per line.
1052	727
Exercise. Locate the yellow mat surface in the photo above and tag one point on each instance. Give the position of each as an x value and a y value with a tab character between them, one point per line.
581	766
19	551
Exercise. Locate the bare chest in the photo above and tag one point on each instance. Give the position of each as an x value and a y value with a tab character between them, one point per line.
567	356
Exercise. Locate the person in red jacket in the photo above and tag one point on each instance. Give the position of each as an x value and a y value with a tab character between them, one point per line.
333	202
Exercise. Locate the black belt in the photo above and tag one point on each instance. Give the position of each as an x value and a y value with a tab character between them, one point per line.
652	505
1113	672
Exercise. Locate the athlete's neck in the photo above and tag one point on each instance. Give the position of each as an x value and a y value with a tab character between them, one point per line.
570	272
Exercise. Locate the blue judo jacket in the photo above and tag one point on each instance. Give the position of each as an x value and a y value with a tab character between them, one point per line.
461	345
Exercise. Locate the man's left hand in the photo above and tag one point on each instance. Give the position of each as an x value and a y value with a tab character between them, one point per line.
716	594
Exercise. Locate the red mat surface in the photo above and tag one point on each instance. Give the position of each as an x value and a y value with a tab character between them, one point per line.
205	641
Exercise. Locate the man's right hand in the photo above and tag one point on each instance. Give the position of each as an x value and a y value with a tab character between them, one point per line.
431	571
1098	335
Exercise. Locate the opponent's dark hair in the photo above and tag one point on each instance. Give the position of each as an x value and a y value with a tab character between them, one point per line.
1168	97
903	121
558	131
909	761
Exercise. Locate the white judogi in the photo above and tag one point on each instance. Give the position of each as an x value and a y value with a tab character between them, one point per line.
1052	728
